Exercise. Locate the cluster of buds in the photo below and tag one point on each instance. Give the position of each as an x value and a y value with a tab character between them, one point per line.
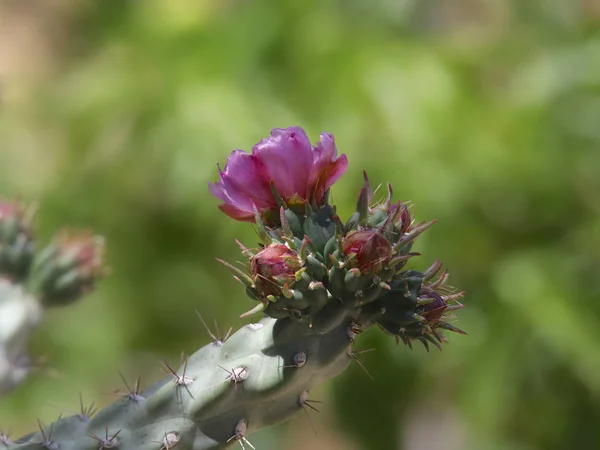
59	274
310	259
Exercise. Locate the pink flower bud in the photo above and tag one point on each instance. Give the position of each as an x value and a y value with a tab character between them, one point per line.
274	267
369	250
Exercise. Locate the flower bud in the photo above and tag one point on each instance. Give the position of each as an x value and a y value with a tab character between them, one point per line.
67	268
274	267
368	250
16	242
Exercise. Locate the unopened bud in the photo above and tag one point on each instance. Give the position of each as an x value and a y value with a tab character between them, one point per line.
67	268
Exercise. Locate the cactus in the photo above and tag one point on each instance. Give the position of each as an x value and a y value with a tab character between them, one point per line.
318	281
60	274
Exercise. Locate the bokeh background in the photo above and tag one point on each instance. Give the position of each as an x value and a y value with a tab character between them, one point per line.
483	113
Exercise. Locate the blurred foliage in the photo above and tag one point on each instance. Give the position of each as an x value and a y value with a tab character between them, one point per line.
484	114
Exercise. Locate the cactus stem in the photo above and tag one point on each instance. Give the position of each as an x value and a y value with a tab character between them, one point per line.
108	441
257	309
135	393
243	277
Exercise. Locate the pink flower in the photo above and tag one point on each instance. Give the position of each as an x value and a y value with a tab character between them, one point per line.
274	267
299	171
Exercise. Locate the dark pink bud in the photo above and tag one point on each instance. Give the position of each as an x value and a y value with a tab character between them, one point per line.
274	267
433	311
299	172
403	219
369	250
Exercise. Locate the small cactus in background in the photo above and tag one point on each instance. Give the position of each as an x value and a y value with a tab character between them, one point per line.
59	274
318	280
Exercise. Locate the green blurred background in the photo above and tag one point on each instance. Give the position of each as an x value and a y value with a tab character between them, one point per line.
483	113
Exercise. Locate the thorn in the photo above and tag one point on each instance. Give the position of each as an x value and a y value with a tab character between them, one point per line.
215	337
354	354
298	360
108	441
237	375
5	438
447	326
306	403
239	434
257	309
169	441
135	393
86	413
245	250
240	274
179	380
48	441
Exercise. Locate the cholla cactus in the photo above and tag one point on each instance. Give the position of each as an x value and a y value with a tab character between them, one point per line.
60	274
319	282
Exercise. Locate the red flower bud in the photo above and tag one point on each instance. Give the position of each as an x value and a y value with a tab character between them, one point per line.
369	249
274	267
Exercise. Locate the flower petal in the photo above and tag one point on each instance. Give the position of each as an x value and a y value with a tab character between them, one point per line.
325	170
286	158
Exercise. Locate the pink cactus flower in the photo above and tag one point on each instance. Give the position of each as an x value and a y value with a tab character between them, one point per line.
299	171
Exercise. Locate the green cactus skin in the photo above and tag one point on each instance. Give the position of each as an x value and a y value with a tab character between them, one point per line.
258	377
20	313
